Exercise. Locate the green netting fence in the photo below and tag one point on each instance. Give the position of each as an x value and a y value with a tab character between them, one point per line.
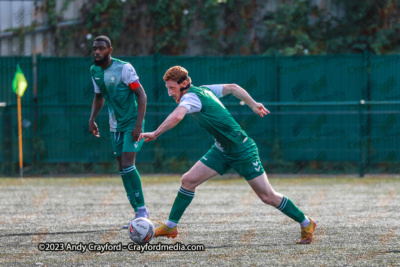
329	114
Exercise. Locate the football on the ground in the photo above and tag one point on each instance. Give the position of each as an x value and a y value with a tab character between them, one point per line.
141	230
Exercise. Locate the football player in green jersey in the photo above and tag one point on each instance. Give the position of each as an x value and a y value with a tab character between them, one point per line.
232	148
117	83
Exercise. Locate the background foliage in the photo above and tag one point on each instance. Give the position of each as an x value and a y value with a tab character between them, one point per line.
227	27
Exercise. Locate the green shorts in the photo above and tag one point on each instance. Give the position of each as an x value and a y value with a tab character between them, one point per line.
245	160
123	142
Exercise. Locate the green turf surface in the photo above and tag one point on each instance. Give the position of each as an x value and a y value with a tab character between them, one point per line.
358	222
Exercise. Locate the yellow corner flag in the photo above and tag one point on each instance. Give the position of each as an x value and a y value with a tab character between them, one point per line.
19	83
19	86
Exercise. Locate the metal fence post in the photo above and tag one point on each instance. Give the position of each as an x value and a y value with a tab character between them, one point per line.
8	141
35	101
360	160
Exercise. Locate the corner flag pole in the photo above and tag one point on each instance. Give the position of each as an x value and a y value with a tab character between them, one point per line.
21	158
19	85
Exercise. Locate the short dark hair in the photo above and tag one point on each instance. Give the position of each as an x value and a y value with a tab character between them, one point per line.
104	39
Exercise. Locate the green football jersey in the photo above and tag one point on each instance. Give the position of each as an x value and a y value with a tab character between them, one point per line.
216	119
113	83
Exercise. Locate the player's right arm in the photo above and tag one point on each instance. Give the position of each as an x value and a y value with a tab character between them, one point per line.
98	102
170	122
242	94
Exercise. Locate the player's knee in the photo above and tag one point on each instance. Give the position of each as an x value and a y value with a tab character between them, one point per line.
127	160
187	182
267	199
127	164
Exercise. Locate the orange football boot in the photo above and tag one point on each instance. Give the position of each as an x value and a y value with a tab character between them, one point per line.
307	233
164	230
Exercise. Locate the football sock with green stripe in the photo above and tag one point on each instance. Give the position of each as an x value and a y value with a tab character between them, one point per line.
182	201
129	190
134	179
291	210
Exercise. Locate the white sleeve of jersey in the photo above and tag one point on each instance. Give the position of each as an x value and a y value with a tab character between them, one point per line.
191	102
96	88
216	89
129	74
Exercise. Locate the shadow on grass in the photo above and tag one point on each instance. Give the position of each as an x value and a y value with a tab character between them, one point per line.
62	233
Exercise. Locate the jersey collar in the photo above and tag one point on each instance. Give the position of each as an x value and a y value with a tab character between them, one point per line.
112	61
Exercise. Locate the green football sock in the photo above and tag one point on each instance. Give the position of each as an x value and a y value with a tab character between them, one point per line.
133	177
129	190
182	201
291	210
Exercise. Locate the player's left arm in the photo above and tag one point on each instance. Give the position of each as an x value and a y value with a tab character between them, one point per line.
131	79
242	94
170	122
142	105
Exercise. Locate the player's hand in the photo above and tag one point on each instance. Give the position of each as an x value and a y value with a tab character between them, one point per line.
259	109
94	129
136	133
147	137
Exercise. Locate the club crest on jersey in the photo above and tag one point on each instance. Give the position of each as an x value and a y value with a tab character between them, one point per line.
255	164
112	79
